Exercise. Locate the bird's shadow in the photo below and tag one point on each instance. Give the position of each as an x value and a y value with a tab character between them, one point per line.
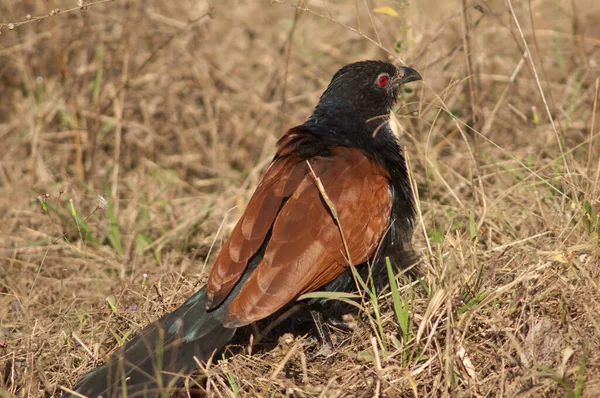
298	323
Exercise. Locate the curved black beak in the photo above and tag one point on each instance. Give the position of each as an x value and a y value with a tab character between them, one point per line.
408	75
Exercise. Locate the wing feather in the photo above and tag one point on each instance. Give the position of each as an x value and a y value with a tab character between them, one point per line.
278	183
306	250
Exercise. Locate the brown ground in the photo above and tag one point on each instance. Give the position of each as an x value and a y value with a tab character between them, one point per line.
172	116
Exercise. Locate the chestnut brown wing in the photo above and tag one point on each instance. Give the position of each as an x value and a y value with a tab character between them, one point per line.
306	250
279	182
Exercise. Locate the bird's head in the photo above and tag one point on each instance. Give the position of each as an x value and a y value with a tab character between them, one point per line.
362	92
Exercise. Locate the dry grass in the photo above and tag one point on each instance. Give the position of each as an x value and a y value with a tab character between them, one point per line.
173	122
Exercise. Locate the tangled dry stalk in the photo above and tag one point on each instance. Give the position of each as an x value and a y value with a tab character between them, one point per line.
170	111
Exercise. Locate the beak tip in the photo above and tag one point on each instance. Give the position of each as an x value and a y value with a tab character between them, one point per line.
409	75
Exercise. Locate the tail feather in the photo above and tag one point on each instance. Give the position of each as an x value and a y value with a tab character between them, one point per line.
155	360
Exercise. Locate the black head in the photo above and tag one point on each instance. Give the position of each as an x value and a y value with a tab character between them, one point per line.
361	96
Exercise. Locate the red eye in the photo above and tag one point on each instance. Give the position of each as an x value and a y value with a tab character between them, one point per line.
383	79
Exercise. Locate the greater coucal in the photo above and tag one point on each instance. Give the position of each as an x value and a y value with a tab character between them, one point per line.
288	241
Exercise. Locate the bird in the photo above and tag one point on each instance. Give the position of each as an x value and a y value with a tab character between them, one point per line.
336	195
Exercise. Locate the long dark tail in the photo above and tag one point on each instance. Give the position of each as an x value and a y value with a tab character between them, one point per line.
159	357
